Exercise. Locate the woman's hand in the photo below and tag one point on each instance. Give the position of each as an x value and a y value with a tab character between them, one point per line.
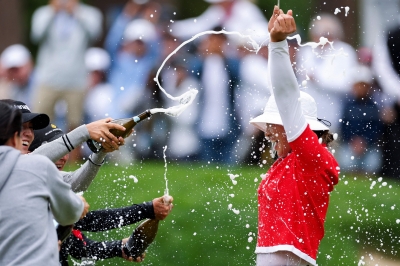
162	208
281	25
100	132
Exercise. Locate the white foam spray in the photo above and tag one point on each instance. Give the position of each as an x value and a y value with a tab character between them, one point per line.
187	98
166	192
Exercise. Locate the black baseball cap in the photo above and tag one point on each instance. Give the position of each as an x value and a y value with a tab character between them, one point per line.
39	121
44	135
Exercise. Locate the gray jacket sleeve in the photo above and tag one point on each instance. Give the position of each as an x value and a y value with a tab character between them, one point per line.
65	205
58	148
84	175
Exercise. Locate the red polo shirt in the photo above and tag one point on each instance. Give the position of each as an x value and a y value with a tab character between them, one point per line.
293	199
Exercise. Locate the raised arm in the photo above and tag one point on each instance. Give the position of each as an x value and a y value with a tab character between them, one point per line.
98	131
90	19
41	21
101	220
115	34
283	80
60	147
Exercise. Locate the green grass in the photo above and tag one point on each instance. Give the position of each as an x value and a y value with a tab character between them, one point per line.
201	230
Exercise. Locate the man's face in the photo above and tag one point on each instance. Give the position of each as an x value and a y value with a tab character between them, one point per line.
27	136
138	48
18	75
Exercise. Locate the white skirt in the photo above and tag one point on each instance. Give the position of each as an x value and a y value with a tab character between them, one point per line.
280	258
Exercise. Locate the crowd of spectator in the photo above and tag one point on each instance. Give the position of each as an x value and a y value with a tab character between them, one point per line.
71	79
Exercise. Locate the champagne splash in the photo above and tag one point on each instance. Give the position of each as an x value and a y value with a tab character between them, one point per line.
322	42
187	98
166	192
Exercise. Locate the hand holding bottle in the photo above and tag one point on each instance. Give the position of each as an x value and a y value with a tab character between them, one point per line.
121	128
146	232
162	206
100	132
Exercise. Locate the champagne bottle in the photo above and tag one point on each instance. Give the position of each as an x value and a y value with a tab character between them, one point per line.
128	123
143	235
141	238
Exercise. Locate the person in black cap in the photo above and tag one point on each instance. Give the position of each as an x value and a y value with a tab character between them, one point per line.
39	121
31	195
45	135
77	244
97	130
30	122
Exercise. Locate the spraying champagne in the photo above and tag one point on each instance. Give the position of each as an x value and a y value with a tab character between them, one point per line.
128	123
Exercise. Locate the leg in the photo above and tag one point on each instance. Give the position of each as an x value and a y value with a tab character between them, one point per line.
44	101
75	100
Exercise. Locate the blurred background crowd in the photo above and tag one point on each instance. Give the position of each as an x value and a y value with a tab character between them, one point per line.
83	62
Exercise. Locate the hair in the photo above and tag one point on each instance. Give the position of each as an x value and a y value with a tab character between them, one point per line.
10	121
325	135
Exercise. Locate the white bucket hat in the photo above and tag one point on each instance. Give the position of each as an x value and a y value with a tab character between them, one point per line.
97	59
140	29
15	55
271	113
